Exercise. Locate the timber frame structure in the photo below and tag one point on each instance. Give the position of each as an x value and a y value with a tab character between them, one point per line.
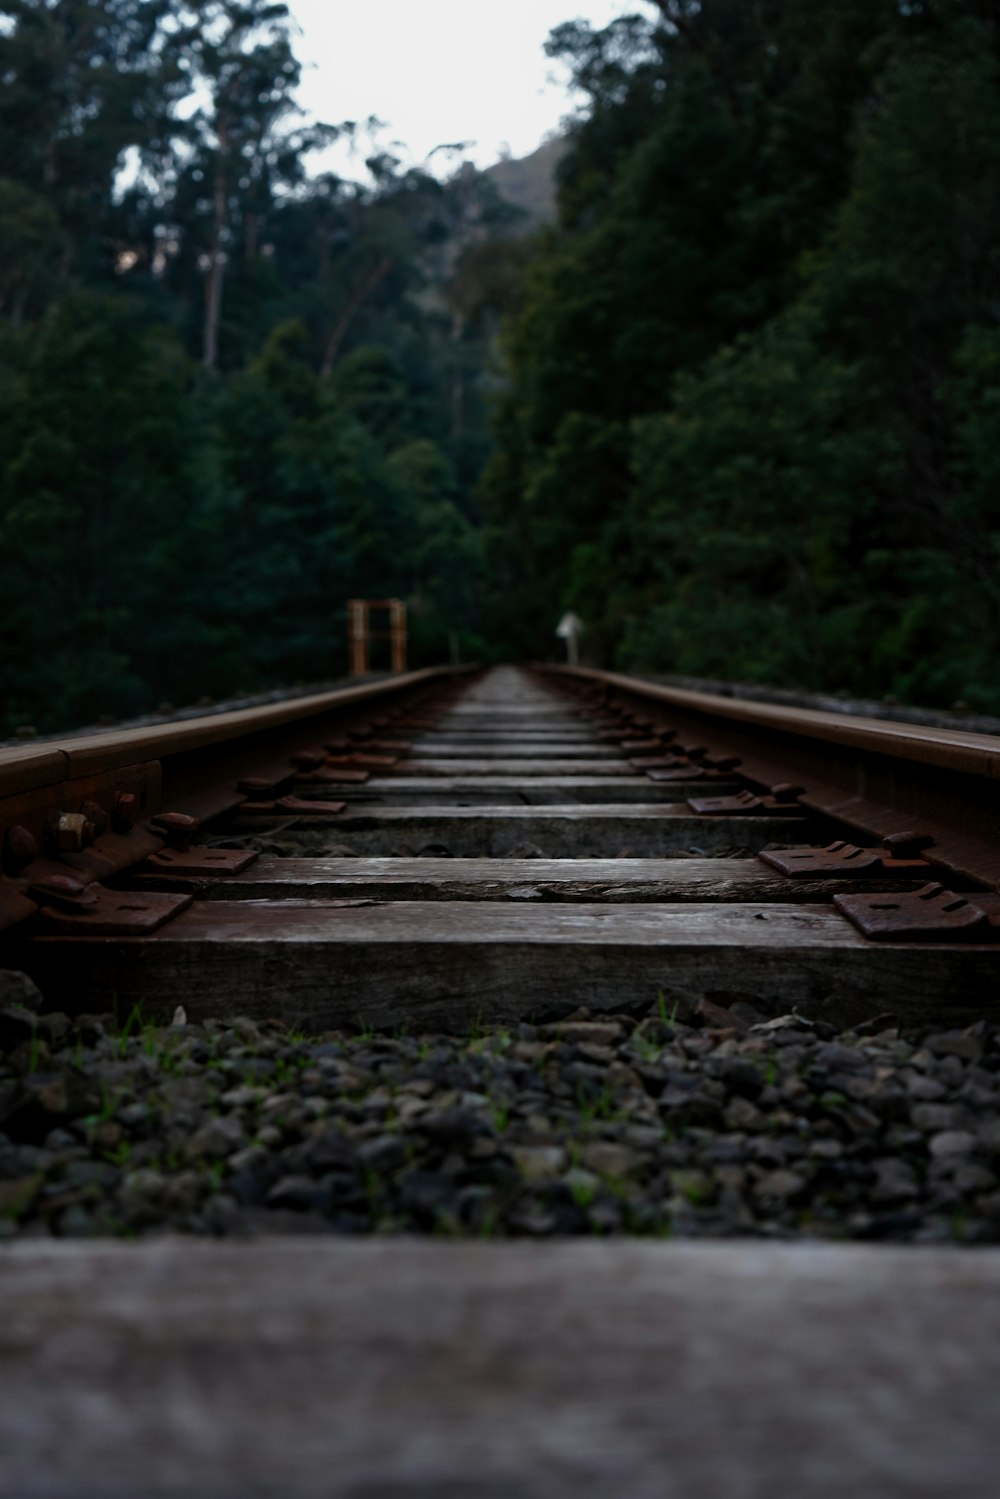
360	634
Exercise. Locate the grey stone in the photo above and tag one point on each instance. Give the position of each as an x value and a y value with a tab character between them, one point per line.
974	1179
427	1194
935	1117
537	1162
924	1089
592	1032
895	1181
218	1138
609	1159
835	1056
780	1184
743	1077
18	989
384	1153
962	1044
299	1193
184	1192
954	1142
243	1097
741	1114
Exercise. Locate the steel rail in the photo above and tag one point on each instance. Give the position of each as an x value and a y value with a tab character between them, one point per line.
228	907
189	766
948	749
25	768
879	778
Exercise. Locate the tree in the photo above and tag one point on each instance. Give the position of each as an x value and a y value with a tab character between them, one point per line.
85	83
96	443
732	422
238	153
166	529
31	247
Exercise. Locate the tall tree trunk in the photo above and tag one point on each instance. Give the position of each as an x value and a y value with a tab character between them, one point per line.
707	47
457	377
217	254
358	298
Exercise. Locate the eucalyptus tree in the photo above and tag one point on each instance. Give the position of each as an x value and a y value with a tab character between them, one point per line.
238	150
89	87
750	421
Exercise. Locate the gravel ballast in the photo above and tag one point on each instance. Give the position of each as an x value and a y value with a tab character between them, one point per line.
706	1123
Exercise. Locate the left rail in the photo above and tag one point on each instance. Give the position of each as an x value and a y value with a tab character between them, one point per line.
82	808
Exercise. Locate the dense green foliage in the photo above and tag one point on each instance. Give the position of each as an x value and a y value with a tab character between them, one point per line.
752	427
747	396
232	393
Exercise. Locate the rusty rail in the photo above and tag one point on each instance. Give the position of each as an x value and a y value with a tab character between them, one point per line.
80	809
935	788
83	809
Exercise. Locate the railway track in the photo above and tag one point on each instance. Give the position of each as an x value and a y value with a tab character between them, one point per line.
507	845
544	955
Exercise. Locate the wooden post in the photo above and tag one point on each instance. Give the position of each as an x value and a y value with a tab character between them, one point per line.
358	636
397	632
359	633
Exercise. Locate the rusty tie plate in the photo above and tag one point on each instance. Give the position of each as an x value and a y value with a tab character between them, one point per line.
927	915
840	859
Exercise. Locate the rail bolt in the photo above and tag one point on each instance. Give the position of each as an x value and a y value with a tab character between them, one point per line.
124	811
256	788
307	759
70	832
64	892
907	845
95	813
176	827
20	848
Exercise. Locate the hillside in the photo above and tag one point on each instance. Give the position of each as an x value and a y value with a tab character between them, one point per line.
529	182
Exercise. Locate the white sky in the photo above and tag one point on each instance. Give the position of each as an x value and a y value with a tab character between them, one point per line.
439	71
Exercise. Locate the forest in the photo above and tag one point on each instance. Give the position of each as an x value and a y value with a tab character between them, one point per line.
234	391
738	405
752	422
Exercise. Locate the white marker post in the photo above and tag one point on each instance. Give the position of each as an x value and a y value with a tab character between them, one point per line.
570	628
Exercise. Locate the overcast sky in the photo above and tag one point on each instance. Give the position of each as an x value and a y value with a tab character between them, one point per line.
442	70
